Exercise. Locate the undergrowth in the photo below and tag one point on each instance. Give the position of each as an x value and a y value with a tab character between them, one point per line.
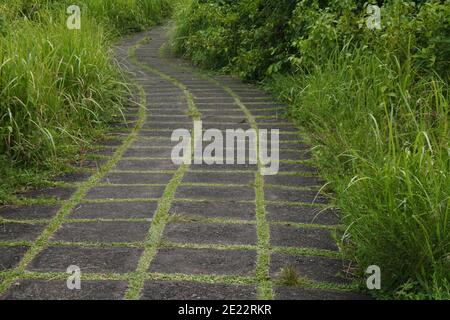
59	88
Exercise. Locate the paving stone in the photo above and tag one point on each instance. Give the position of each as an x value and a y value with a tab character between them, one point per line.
175	117
224	107
293	195
215	209
257	106
268	112
226	119
57	290
225	126
29	212
171	93
179	290
319	269
153	143
167	125
297	167
294	155
224	167
11	256
215	99
128	192
251	93
205	261
217	233
215	193
59	193
219	178
229	123
110	143
20	231
104	231
136	165
293	180
290	136
149	153
90	260
302	214
166	110
115	210
294	293
156	134
268	120
91	163
211	113
257	100
287	236
243	159
74	176
220	94
280	127
218	106
165	99
137	178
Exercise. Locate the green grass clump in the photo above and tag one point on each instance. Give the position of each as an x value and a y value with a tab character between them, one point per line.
59	88
289	276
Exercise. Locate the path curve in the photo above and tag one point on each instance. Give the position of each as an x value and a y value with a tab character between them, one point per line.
144	228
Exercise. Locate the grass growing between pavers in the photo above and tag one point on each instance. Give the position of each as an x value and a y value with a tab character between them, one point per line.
67	206
291	278
161	216
154	236
262	271
193	112
30	221
264	289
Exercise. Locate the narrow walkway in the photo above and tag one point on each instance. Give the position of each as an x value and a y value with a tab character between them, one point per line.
140	227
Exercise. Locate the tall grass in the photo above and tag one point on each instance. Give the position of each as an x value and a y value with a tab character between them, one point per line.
60	87
382	143
125	16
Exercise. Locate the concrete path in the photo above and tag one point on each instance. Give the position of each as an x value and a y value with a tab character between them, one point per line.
140	227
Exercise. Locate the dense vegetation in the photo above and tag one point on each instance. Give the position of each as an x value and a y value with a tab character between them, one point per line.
375	104
59	87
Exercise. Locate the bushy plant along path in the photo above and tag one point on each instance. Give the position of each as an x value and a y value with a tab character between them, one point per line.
139	226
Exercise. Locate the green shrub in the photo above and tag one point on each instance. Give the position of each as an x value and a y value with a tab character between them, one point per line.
258	38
